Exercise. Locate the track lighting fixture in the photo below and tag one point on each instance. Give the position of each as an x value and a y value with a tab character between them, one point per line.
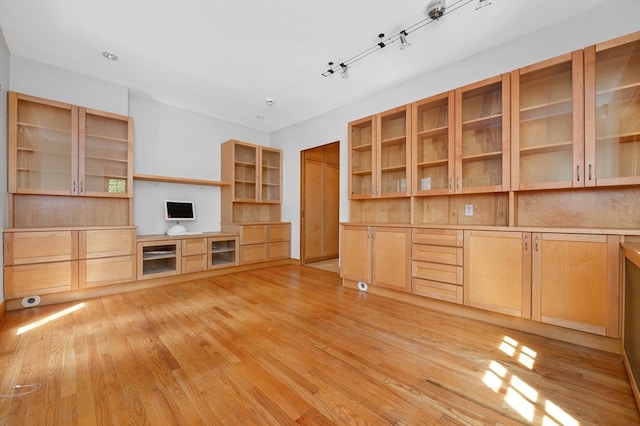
403	40
436	9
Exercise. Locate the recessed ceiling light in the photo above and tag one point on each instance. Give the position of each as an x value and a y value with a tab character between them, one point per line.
270	101
260	117
110	56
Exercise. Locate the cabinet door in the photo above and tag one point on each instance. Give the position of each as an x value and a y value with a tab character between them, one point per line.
547	131
107	242
433	145
26	247
391	257
270	175
40	278
497	271
245	172
393	153
612	115
482	159
105	154
106	271
194	246
43	140
355	257
362	158
575	282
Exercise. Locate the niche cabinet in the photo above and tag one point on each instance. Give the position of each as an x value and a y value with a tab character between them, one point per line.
376	255
61	149
569	280
612	112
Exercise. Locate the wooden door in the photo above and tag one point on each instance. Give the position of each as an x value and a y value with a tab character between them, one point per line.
575	282
497	271
391	256
320	185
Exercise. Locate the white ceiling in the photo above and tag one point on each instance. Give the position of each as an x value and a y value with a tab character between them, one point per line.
224	58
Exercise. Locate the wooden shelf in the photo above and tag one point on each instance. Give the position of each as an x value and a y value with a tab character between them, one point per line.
186	181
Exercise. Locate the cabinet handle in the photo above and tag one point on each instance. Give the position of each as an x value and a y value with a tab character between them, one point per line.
73	187
450	184
589	172
526	243
369	233
578	172
458	183
536	242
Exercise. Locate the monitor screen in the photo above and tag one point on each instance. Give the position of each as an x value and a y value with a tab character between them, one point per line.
179	210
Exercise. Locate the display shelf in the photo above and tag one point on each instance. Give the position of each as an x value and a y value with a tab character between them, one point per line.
181	180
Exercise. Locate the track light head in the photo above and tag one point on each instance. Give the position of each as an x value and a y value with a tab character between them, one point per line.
403	40
345	68
435	9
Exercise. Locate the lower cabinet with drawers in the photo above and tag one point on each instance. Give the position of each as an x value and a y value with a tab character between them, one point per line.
262	241
45	261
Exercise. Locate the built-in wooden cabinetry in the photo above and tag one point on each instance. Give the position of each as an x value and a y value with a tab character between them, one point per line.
378	256
163	255
522	188
251	204
44	261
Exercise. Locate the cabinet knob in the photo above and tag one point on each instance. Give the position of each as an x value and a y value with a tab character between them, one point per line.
578	172
589	172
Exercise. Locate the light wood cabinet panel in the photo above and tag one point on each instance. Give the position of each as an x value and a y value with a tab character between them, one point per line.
40	246
548	124
253	253
497	271
265	241
612	112
437	272
437	290
279	232
378	256
107	271
438	237
194	246
576	282
106	243
62	149
40	278
194	263
159	258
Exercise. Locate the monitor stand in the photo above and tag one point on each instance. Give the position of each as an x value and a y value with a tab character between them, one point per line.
176	229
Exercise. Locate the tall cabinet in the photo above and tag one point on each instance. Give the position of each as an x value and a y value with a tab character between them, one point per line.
251	204
70	189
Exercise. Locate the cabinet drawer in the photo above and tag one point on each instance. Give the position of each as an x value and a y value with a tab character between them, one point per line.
194	263
253	234
40	246
193	246
438	237
437	254
42	278
279	250
105	243
109	270
437	290
253	253
280	232
437	272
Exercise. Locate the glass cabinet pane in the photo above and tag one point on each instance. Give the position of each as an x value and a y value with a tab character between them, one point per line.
270	181
45	142
245	172
546	125
432	147
393	153
106	155
617	114
361	145
481	137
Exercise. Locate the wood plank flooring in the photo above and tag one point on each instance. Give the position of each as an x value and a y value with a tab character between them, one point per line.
289	345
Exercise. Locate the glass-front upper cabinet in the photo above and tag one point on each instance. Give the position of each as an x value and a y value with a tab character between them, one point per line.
106	151
362	135
482	137
270	179
612	114
394	153
43	136
61	149
245	175
548	118
433	144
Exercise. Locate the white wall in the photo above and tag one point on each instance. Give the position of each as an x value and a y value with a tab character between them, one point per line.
173	142
4	85
585	30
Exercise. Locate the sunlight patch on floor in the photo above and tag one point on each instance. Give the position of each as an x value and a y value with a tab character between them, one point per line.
50	318
520	395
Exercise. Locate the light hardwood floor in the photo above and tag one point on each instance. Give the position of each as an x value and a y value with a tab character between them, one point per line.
289	345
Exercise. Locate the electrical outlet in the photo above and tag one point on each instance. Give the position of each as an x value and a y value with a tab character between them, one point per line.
468	209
